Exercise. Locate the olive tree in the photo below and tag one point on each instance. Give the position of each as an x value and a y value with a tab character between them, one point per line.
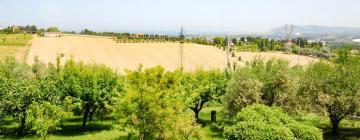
21	85
278	82
332	88
241	92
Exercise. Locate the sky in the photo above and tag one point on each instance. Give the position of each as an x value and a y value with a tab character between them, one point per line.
196	16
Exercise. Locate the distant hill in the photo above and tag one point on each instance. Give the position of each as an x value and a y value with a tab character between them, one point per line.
315	30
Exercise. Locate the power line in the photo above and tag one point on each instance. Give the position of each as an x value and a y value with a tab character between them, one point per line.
182	41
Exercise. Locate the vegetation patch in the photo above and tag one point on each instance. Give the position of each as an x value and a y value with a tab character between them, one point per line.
262	122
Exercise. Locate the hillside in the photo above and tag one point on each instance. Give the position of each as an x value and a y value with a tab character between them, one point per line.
315	31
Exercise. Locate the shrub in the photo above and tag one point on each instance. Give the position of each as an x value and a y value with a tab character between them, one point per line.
261	122
253	130
305	131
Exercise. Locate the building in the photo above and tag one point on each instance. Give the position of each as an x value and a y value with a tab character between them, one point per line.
356	40
53	34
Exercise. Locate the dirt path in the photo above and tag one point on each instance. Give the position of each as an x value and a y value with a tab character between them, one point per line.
129	55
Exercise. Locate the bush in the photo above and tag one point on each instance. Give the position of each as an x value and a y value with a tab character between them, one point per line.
263	122
305	131
253	130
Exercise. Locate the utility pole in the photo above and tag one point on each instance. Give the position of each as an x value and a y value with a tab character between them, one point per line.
289	29
228	45
299	43
182	41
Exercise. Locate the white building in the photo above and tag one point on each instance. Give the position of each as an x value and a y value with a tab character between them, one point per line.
356	40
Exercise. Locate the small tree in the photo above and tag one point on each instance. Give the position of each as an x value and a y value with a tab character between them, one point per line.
153	105
218	41
93	85
203	86
52	29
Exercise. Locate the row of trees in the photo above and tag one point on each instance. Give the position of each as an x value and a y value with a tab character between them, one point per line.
331	88
29	29
41	96
154	103
150	102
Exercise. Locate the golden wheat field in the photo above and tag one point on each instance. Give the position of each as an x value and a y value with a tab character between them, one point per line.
123	56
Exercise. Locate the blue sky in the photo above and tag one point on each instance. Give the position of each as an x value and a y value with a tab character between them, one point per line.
207	16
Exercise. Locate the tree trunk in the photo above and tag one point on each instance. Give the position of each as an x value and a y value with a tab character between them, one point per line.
86	112
142	136
198	106
335	125
23	123
91	114
197	115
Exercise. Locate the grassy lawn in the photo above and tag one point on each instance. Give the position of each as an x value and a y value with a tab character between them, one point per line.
106	129
14	45
71	129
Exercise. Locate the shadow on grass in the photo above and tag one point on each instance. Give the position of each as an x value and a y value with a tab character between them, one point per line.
8	127
74	129
344	134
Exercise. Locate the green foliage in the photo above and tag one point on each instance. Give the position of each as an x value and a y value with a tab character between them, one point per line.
94	86
21	85
257	131
306	132
241	92
333	88
277	83
219	41
44	117
52	29
203	86
30	29
343	56
152	105
263	122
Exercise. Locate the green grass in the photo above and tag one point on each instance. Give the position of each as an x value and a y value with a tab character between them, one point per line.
13	44
211	131
349	129
71	129
14	39
247	47
106	129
